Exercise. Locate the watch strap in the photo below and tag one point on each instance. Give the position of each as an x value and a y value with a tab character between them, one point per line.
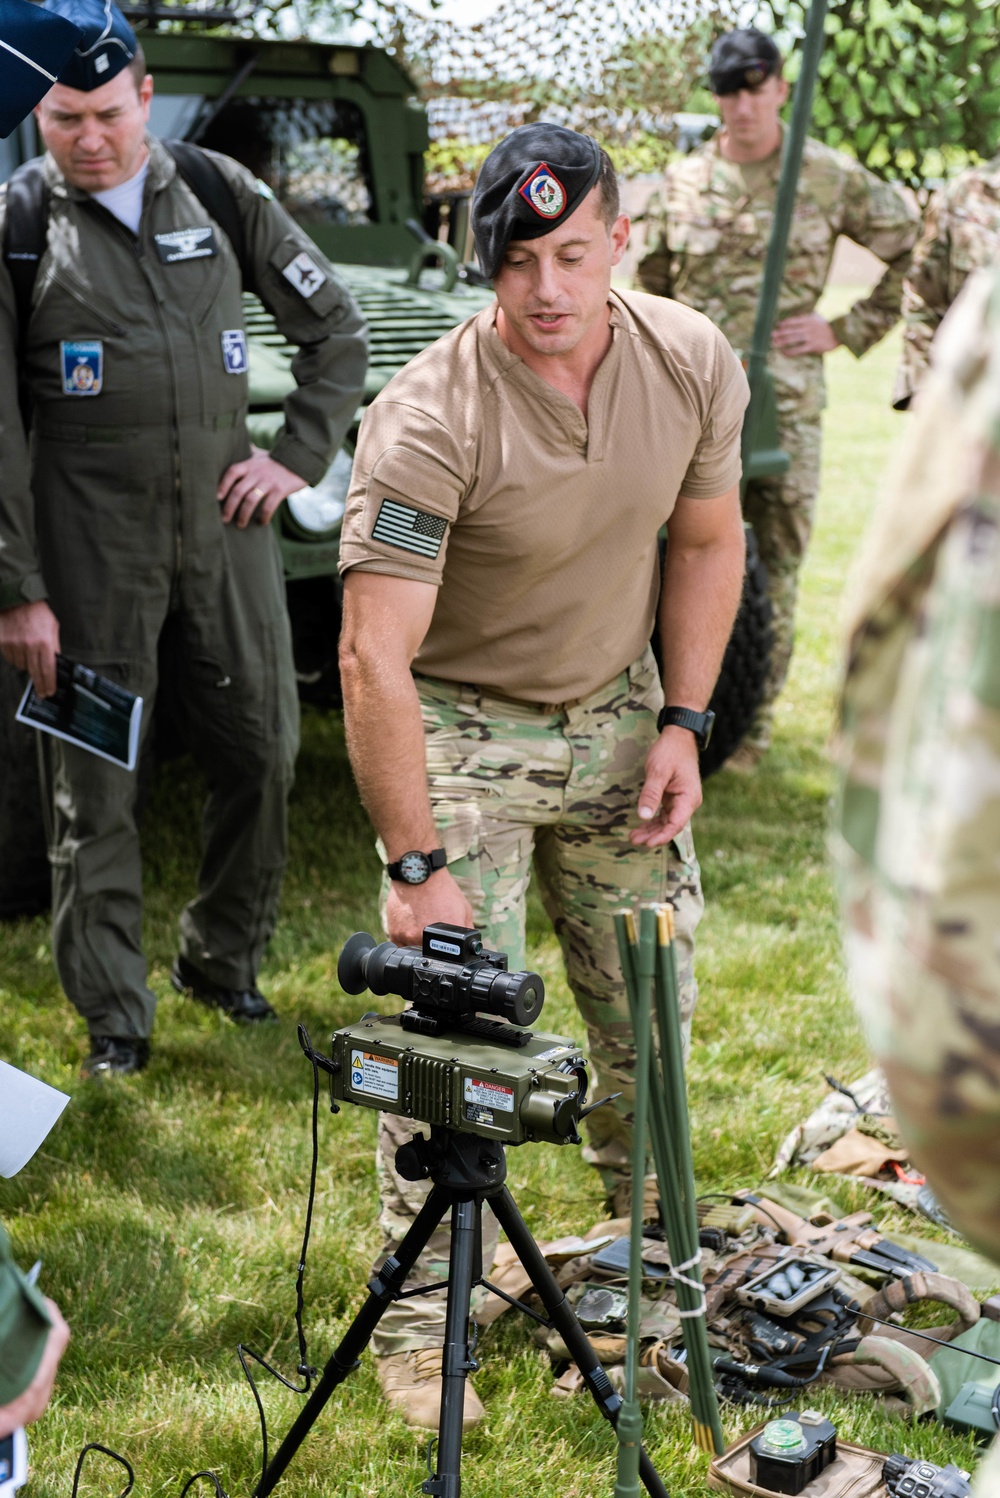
700	724
436	859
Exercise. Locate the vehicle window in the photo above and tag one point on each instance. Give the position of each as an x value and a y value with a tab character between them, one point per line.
311	153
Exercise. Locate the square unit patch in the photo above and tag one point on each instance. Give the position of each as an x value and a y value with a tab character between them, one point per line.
82	367
304	274
234	351
409	528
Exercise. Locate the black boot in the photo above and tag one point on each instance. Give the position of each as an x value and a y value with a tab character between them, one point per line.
247	1005
121	1054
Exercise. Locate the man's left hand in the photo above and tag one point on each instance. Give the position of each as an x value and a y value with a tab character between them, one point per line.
807	333
672	790
253	489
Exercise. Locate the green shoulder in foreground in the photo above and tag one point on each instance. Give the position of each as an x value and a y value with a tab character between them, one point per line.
917	839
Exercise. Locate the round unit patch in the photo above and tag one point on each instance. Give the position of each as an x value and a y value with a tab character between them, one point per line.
544	192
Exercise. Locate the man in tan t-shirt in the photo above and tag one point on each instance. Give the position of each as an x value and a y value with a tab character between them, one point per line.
501	700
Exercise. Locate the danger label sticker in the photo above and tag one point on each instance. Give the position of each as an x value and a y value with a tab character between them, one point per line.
489	1095
378	1075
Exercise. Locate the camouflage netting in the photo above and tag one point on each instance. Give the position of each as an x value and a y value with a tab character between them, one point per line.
912	88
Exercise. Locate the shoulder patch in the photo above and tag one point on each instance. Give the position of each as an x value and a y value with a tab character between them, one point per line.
304	274
262	190
409	528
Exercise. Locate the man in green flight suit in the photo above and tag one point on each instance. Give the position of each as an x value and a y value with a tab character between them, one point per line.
707	247
135	526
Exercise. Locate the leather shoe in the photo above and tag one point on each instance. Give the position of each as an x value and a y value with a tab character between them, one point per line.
246	1005
121	1054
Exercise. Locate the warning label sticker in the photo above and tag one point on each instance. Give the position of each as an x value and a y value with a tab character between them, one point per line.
378	1075
489	1095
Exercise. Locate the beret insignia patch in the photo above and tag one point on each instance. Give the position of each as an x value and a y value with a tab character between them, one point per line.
544	192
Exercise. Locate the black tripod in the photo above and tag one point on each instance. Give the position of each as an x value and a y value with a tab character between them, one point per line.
466	1171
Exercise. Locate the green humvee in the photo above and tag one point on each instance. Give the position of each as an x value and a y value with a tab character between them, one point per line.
337	132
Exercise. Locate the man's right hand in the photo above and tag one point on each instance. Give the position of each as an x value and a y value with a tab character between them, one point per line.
29	640
411	907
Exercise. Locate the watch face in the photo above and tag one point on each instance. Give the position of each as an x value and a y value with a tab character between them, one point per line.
414	868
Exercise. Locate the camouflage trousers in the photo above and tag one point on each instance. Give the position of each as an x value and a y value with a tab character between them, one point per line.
518	787
780	509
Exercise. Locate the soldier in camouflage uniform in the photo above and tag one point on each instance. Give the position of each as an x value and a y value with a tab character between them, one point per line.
500	535
708	241
918	834
960	234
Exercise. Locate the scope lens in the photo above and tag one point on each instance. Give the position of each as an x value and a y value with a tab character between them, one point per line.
517	996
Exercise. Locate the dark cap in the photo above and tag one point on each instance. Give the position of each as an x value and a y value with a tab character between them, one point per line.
108	43
742	59
33	48
533	180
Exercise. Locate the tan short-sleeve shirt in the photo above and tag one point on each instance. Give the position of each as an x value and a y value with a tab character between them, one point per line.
538	523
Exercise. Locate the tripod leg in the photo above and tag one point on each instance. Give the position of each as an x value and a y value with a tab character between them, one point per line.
564	1320
464	1267
381	1291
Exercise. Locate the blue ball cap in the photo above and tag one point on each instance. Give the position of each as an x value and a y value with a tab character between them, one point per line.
108	43
34	47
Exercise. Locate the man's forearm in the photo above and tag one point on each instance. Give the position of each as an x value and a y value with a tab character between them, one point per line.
385	741
698	604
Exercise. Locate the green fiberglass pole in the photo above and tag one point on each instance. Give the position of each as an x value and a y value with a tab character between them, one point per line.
628	1427
784	207
668	1123
685	1253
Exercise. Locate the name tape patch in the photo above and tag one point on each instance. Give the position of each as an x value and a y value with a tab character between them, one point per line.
186	244
304	274
234	351
544	192
82	367
409	528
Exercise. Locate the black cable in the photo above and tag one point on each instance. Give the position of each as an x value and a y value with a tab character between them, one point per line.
106	1451
247	1354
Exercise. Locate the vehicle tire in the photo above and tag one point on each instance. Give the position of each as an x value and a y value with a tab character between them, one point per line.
740	687
25	887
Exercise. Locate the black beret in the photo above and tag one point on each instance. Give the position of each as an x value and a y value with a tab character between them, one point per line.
33	48
742	59
533	180
108	43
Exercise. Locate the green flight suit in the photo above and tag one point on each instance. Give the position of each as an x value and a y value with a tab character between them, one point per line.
24	1327
112	515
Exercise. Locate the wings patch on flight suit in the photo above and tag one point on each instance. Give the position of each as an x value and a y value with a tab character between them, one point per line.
186	244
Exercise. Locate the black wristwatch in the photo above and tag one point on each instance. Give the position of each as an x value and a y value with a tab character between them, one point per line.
700	724
417	867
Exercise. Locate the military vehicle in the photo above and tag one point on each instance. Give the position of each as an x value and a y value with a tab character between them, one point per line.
338	134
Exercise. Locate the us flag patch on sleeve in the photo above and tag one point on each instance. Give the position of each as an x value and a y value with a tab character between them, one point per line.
409	528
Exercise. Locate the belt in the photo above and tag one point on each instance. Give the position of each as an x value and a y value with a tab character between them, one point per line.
490	694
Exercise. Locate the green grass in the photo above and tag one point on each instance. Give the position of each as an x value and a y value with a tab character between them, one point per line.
168	1209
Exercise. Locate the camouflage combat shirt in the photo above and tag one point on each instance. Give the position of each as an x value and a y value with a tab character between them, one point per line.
960	234
917	837
708	240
